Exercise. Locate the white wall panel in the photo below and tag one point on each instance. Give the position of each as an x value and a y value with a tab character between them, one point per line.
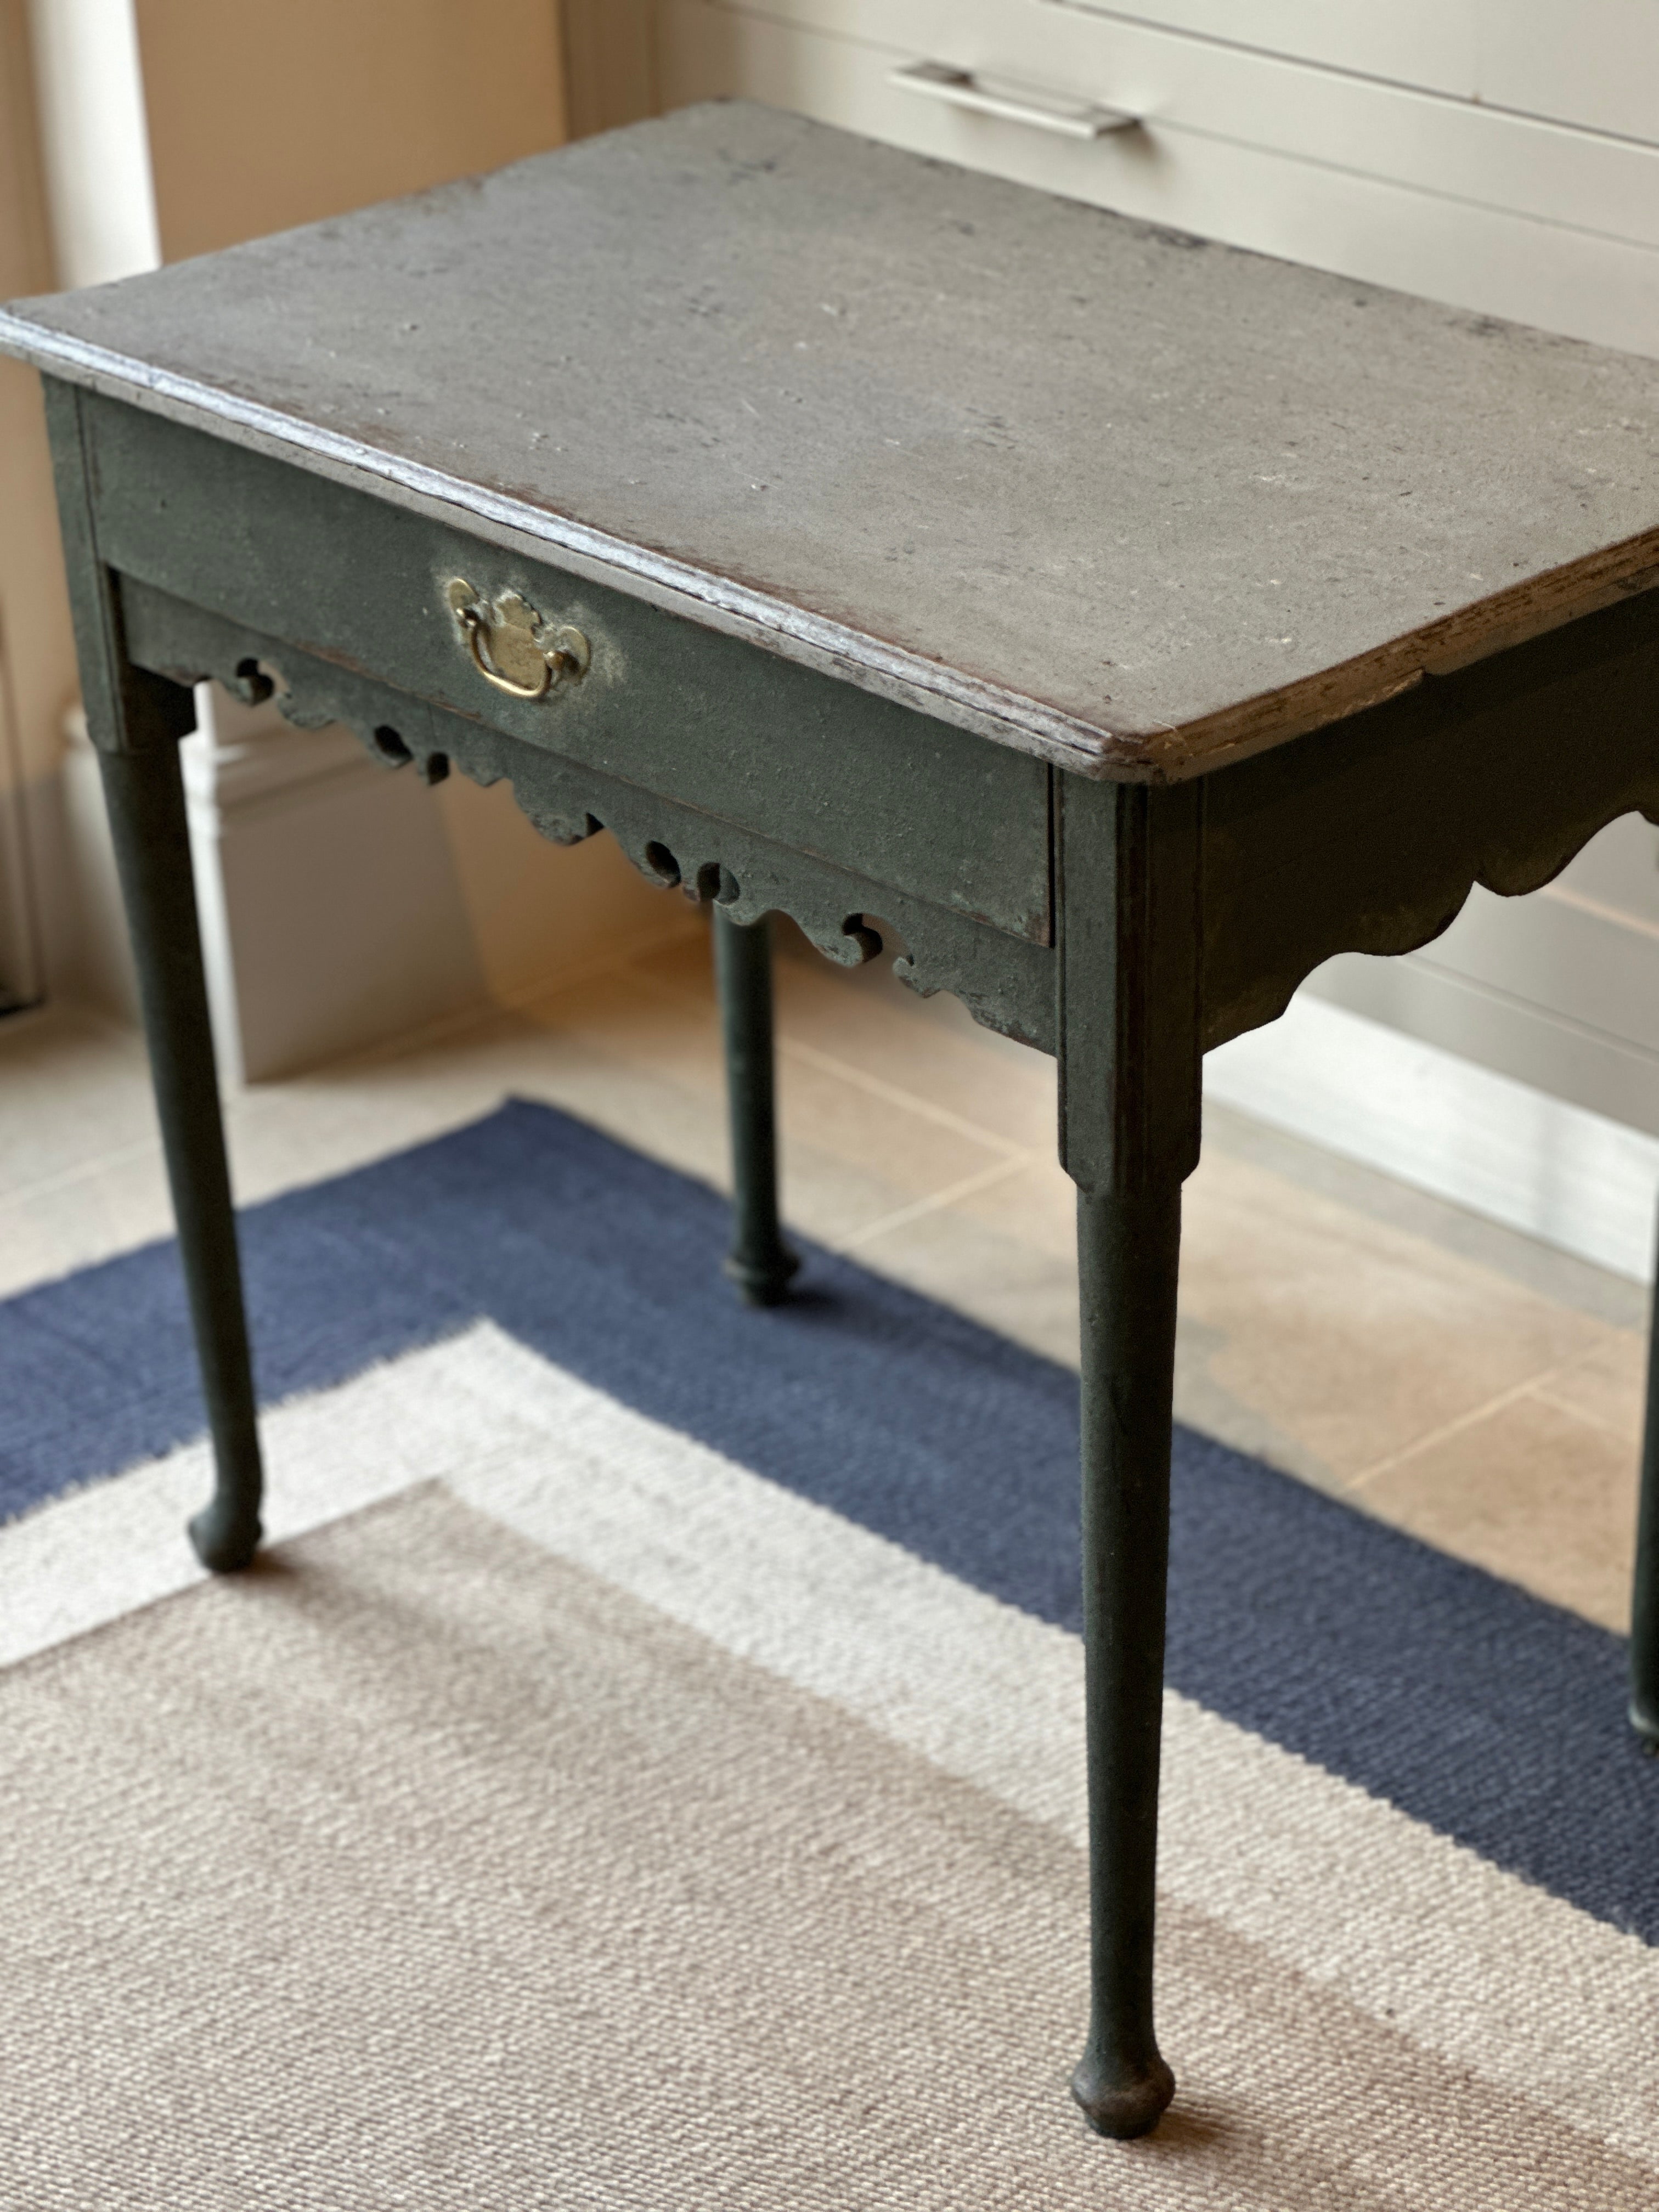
1451	146
95	139
1499	215
1432	44
1590	63
1594	63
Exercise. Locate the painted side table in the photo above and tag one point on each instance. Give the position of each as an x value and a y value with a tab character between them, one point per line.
1124	625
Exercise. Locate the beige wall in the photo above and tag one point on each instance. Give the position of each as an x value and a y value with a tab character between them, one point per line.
262	117
34	635
256	118
259	118
611	55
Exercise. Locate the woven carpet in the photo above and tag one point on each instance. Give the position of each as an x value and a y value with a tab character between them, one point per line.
646	1768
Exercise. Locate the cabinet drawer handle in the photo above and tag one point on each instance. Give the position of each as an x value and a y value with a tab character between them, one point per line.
511	646
958	88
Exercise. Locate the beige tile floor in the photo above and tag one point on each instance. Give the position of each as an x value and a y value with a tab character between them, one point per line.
1443	1373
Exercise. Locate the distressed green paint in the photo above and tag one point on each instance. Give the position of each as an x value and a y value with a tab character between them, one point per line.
760	1262
702	718
1007	982
1368	836
906	723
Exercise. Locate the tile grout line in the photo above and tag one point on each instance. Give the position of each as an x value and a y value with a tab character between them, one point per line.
893	1094
1581	1414
1449	1429
256	1102
875	1086
903	1215
66	1178
642	944
516	1001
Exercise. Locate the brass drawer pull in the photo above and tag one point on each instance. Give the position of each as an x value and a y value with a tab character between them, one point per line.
511	646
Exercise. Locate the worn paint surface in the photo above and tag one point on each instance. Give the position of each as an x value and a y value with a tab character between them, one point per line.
1005	980
1134	504
669	706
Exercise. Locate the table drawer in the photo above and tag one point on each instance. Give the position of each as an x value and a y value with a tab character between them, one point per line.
703	718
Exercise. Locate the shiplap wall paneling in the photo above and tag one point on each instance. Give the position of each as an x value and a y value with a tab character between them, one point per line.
1499	213
1560	990
1594	63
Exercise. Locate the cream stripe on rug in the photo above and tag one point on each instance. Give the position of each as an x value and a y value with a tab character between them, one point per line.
1521	1990
424	1868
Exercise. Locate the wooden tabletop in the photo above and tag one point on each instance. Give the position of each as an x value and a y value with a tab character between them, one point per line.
1128	501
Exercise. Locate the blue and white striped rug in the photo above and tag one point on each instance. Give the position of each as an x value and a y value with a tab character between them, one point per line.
647	1771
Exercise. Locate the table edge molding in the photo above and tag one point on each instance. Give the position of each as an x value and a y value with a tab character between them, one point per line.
1160	754
1011	719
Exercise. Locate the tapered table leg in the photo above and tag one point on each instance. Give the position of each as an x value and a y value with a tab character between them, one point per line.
1645	1595
144	795
134	720
760	1262
1129	1251
1130	939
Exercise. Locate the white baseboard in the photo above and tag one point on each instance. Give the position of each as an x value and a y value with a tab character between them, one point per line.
1487	1143
331	915
342	906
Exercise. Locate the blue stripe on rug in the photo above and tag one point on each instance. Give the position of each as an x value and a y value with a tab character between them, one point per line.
1494	1717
